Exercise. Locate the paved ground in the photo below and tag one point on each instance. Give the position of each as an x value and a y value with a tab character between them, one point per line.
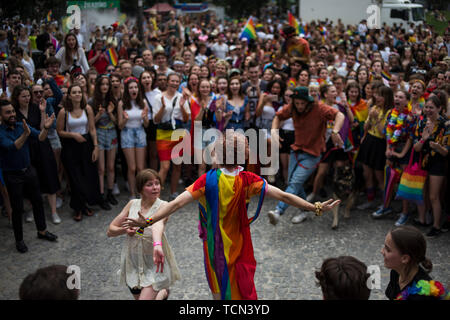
287	254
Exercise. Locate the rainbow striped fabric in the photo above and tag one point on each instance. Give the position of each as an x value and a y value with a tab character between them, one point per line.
293	22
249	30
48	18
165	144
112	55
225	230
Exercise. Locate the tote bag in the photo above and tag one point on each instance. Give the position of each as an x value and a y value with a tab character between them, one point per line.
412	181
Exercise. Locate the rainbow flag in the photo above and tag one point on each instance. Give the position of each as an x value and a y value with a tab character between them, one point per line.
112	55
49	16
224	228
249	30
386	75
293	22
3	55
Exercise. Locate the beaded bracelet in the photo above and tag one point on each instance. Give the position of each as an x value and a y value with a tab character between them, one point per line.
318	206
149	222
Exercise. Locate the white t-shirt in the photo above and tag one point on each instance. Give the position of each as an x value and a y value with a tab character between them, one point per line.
171	113
220	50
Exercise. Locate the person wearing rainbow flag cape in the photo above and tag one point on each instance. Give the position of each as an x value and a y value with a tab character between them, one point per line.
294	45
223	195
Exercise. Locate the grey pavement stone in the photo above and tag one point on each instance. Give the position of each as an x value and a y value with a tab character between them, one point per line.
287	254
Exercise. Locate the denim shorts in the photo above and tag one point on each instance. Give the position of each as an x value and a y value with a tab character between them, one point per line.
55	143
107	138
133	138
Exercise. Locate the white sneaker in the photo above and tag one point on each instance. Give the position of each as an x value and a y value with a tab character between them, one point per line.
274	216
116	190
55	218
29	216
311	197
59	202
299	218
366	205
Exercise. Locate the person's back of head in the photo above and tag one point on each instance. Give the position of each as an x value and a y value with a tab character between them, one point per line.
343	278
49	283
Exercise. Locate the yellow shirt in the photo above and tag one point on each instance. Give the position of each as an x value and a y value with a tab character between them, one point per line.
375	122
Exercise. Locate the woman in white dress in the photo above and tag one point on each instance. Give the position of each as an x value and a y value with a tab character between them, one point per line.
148	266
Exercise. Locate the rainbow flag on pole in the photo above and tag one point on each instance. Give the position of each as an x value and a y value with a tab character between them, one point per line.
49	16
249	30
112	55
386	75
293	22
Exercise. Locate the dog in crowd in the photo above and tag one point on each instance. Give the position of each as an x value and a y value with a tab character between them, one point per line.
344	190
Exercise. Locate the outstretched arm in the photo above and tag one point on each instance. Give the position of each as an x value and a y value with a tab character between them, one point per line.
163	212
296	201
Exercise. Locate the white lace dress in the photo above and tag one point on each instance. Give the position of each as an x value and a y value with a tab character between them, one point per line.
137	270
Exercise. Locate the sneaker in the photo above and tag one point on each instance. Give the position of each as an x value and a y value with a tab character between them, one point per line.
311	197
274	216
111	199
299	218
366	205
417	223
381	212
173	196
55	218
433	232
116	190
402	219
446	226
29	216
47	236
104	203
59	202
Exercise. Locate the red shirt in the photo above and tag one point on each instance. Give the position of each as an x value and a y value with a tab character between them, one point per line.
310	127
101	63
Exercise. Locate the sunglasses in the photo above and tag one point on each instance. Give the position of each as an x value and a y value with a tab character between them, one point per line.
38	92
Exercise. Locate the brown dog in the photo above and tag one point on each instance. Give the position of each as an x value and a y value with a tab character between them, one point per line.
344	190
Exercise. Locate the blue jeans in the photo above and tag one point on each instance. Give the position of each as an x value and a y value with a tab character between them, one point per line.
298	175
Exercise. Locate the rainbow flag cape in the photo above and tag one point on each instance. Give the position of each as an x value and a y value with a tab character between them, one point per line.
224	228
48	18
249	30
112	55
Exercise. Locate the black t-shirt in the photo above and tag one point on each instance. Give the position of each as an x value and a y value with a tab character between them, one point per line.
393	289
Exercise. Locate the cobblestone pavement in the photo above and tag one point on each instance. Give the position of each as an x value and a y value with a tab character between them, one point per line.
287	254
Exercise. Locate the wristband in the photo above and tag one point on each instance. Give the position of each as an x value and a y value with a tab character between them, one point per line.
422	141
157	243
149	222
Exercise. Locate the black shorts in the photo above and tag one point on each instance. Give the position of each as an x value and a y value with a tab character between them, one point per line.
372	152
288	137
151	131
436	166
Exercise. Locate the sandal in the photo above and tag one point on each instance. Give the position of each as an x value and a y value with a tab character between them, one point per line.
78	217
88	212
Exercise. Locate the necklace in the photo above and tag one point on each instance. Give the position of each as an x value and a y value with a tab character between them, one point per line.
396	125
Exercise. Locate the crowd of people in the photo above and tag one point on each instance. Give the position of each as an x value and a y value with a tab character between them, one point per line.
75	109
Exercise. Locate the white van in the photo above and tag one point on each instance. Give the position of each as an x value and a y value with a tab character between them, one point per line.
353	11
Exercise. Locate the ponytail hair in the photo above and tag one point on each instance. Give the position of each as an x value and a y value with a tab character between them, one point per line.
410	241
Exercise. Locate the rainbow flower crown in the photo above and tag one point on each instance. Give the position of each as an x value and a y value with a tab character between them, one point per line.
425	288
